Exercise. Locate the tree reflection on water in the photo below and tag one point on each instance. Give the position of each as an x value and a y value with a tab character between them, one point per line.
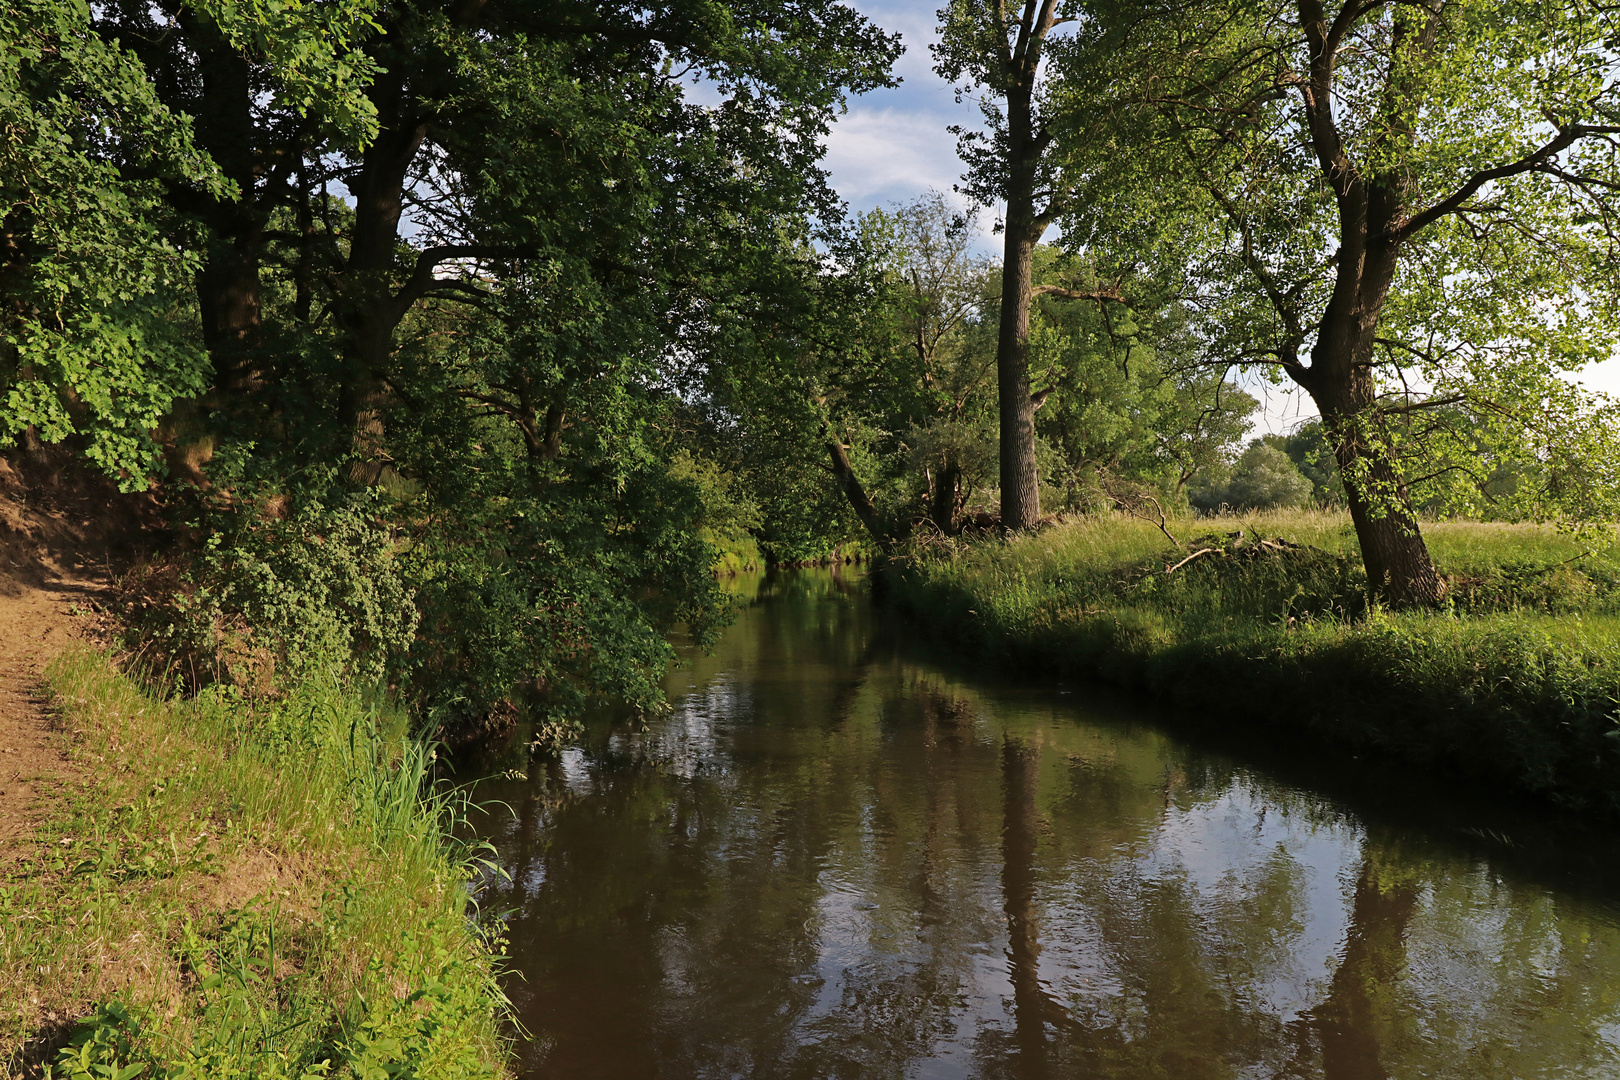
835	859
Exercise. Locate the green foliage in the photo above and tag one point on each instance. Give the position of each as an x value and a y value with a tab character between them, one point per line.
730	514
92	268
511	374
1128	407
1489	139
284	589
1263	478
901	369
1513	685
359	957
101	1047
1308	448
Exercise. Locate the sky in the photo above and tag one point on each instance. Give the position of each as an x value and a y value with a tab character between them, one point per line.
893	145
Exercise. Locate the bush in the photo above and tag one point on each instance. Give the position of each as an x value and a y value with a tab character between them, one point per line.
1264	478
277	594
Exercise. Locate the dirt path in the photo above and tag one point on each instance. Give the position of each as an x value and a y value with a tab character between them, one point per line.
37	621
58	528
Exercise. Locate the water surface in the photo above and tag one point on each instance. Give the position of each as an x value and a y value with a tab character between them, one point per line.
836	858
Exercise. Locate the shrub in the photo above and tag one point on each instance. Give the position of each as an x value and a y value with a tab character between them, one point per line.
277	594
1264	478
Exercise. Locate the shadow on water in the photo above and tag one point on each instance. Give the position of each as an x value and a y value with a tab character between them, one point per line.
840	856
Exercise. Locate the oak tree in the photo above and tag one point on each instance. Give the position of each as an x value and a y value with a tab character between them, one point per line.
1406	208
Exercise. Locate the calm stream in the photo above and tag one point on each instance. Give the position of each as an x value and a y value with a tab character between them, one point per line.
837	858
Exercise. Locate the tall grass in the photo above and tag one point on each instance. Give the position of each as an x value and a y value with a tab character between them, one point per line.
1515	682
236	889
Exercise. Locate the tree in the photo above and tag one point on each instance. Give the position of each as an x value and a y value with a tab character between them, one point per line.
1308	447
461	259
935	290
1262	479
1019	160
1407	207
1124	402
91	266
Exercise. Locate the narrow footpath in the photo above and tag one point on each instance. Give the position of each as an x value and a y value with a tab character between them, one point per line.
42	608
54	587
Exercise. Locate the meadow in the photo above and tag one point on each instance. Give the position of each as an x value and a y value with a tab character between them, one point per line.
238	888
1514	682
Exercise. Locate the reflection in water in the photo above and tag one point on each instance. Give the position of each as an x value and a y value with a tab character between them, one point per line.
832	859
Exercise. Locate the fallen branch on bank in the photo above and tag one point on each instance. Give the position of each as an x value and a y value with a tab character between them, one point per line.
1236	547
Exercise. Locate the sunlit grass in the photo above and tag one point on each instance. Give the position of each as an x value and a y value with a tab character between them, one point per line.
1514	679
244	890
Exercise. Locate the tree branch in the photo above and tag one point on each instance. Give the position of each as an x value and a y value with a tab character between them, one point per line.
1535	160
428	259
1099	295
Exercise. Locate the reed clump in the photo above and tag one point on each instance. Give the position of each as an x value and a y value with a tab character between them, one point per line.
244	889
1514	682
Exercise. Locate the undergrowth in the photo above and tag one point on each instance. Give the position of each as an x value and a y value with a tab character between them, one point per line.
1516	681
242	890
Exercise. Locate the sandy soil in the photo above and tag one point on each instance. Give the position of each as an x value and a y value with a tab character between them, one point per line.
55	547
37	620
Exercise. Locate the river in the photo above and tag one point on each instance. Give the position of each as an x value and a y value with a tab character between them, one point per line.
836	857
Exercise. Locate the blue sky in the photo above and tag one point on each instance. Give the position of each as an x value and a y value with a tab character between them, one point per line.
892	146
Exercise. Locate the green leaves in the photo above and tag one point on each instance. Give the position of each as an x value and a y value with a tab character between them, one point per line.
313	52
101	1045
92	270
1453	205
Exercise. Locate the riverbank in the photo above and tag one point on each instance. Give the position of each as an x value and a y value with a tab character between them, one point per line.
223	887
1515	684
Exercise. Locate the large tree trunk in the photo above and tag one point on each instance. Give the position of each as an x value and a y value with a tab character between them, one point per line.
852	487
229	290
1020	483
228	299
1400	571
368	309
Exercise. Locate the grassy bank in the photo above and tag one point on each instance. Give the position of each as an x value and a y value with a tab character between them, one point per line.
234	890
1514	684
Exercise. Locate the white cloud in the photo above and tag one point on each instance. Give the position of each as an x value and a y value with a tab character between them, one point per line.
885	155
894	145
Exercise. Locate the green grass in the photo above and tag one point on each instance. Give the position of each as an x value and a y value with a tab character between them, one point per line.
239	889
738	554
1515	682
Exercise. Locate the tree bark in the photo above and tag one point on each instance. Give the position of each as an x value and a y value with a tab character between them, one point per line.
228	299
368	309
946	496
1340	380
852	487
1400	570
1020	482
1373	225
229	289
